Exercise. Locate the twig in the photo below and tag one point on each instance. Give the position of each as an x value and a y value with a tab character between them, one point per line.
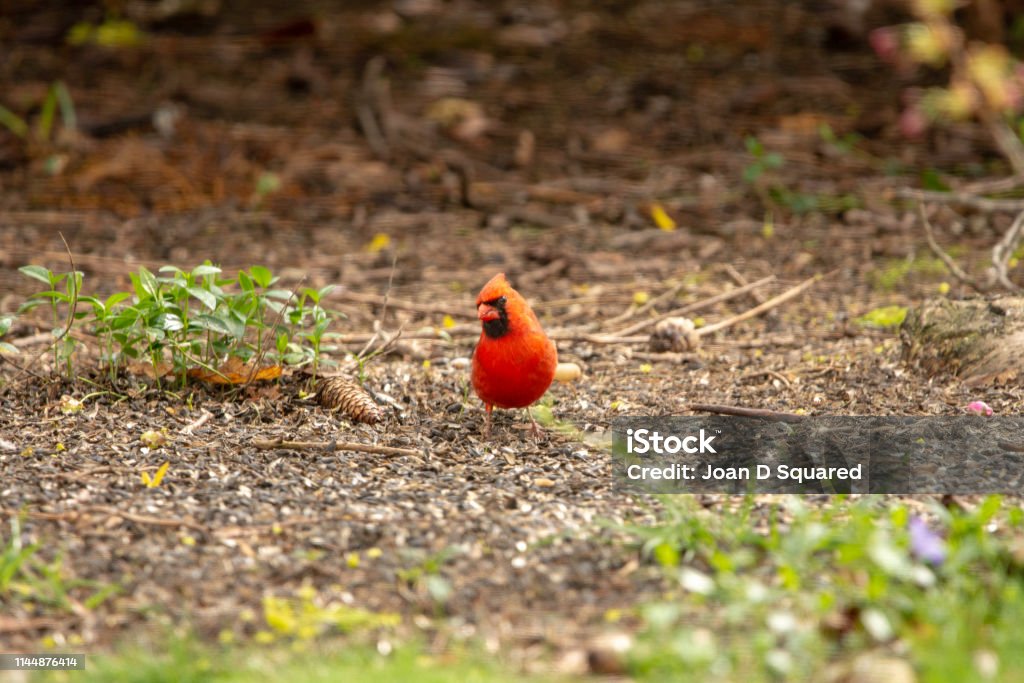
666	356
379	323
962	198
369	109
696	306
1006	139
740	411
761	308
772	374
634	311
954	269
1003	252
196	424
738	278
71	314
990	186
147	519
570	335
273	329
270	444
413	306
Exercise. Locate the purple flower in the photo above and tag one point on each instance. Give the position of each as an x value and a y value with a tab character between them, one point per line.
925	544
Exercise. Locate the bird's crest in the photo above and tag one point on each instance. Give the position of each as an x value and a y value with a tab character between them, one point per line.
496	288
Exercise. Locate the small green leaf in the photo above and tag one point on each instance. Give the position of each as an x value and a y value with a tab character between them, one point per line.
311	294
261	275
67	106
114	299
205	269
245	282
171	322
13	122
37	273
931	180
212	323
206	297
886	316
49	110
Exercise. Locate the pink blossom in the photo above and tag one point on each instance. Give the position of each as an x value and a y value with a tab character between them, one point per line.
979	408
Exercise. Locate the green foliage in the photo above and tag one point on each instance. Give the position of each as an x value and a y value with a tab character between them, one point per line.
758	174
57	97
819	585
306	617
26	578
177	659
897	271
112	33
426	574
884	317
5	326
763	160
193	318
63	288
844	145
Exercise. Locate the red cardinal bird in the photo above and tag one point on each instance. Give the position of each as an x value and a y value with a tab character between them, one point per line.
514	362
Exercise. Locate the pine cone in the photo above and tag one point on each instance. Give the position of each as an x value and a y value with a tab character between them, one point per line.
339	393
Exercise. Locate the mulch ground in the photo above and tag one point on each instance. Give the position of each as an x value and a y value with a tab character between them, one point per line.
292	138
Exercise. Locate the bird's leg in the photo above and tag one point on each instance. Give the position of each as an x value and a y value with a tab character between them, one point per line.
487	421
534	427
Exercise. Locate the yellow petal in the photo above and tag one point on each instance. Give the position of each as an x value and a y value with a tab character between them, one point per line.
661	218
379	242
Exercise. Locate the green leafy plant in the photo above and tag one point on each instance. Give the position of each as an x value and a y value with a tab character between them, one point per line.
312	321
14	556
190	319
25	577
57	97
789	593
64	288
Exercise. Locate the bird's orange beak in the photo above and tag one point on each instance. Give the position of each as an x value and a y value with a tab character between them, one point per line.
487	312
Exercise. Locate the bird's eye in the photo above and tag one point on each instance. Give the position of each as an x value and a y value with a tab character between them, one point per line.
497	303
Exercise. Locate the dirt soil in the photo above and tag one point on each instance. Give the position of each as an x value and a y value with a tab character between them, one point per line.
537	139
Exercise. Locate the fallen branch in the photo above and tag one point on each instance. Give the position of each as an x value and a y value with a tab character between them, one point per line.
696	306
196	424
946	259
962	198
740	411
270	444
760	308
1003	252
